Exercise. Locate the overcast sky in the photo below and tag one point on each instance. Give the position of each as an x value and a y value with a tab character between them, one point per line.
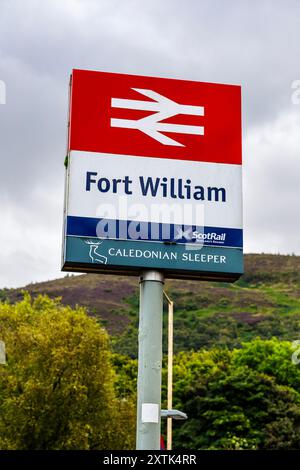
255	44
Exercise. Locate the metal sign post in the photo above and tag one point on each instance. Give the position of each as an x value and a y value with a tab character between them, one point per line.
2	352
150	361
118	160
170	370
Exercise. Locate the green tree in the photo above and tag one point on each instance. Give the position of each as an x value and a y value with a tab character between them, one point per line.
272	357
57	389
126	370
232	406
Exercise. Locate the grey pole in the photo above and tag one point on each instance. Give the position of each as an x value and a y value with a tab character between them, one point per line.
149	361
2	352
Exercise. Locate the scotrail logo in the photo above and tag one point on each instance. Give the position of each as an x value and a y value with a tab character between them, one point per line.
212	237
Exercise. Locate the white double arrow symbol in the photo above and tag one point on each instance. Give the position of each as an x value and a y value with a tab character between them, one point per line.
152	125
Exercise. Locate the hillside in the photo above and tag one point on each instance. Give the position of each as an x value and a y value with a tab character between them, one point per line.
265	302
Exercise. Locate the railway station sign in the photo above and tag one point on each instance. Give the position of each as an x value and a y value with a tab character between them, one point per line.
153	177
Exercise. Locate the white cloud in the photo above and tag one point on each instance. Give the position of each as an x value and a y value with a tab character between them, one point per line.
255	44
30	239
272	185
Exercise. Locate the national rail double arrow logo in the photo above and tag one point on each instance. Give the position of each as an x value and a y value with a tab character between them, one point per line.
152	125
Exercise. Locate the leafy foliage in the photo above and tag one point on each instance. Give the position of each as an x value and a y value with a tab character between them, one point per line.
233	374
246	398
272	357
238	400
57	390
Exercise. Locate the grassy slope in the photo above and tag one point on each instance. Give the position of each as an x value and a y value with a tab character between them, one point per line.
264	302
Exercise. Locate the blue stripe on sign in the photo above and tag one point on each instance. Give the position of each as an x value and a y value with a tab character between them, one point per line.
132	230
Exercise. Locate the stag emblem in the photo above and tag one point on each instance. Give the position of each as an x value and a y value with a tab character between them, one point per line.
93	253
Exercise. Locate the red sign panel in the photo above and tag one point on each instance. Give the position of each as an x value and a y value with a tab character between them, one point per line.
155	117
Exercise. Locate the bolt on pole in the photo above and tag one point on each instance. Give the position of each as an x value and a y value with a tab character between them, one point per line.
149	361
